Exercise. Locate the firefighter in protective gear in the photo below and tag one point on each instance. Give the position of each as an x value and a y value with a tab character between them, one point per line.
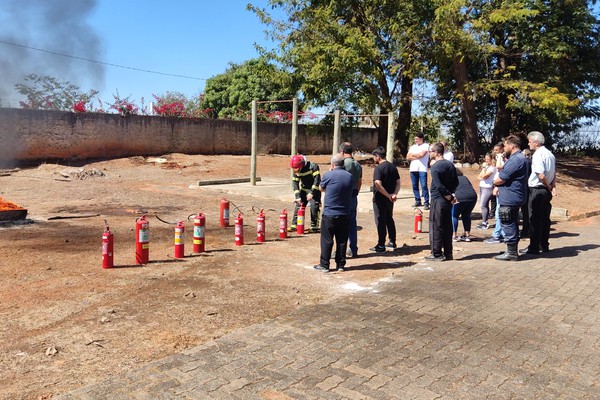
305	182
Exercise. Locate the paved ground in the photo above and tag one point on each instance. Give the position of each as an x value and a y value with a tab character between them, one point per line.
473	328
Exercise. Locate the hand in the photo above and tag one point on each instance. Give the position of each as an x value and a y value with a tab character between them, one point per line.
393	197
554	192
309	197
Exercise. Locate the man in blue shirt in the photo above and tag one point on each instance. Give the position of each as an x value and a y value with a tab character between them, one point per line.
335	221
512	188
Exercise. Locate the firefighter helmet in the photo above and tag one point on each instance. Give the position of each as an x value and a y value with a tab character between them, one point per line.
297	161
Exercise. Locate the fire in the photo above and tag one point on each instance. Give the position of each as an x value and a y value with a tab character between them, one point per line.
7	205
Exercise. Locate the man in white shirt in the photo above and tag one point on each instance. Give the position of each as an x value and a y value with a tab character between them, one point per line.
542	186
418	155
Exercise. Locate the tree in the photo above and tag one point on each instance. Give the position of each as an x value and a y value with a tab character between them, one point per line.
44	92
524	64
230	94
359	53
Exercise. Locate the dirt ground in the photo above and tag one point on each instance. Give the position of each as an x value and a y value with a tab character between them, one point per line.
67	322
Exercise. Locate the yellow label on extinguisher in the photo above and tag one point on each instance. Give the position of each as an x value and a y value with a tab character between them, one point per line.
300	220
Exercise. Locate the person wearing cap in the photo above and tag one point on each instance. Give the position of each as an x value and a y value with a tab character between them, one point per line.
305	182
352	166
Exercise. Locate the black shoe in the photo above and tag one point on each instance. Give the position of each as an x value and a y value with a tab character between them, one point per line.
527	250
340	269
426	206
378	249
321	268
449	258
391	245
417	204
431	257
545	249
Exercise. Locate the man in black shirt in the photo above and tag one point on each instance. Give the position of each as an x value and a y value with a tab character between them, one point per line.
444	181
386	185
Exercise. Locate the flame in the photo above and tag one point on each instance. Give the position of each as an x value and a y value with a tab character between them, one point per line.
7	205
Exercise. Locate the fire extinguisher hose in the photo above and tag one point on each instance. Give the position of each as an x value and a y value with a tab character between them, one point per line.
165	222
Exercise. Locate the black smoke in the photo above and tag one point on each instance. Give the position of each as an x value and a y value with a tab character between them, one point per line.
59	26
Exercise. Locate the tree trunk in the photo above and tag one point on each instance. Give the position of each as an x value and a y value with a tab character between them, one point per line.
467	111
405	117
502	123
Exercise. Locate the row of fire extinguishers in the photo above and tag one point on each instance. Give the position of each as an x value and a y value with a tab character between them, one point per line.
142	233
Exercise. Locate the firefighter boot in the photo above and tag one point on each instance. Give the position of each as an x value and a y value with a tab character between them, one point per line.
511	253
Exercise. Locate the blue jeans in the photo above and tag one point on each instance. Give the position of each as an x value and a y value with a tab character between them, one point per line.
463	211
420	178
498	232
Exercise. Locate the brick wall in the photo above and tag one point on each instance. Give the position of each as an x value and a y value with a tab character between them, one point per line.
29	136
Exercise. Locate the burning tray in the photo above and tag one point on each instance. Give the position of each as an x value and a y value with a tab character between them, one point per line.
11	212
13	215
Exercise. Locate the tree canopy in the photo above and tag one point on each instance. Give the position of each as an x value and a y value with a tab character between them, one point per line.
229	94
45	92
499	66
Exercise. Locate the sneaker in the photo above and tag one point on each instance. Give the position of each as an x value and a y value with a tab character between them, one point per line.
340	269
465	238
292	228
321	268
493	240
378	249
417	204
391	245
432	257
426	206
455	239
483	225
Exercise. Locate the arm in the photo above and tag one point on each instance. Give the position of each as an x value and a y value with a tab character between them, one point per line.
382	190
394	196
415	156
316	173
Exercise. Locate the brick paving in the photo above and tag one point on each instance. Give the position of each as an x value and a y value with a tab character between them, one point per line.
472	328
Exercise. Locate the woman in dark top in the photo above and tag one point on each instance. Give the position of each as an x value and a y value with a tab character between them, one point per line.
466	199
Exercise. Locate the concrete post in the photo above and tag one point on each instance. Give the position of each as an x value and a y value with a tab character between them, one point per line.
253	145
337	130
390	138
294	145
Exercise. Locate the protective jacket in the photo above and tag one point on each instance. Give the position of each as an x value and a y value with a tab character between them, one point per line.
307	180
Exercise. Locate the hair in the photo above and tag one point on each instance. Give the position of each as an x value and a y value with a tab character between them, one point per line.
337	160
489	153
346	148
380	152
526	152
499	144
437	147
537	137
420	135
514	140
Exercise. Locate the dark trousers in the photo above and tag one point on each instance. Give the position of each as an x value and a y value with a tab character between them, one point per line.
493	205
315	205
334	227
353	233
510	224
539	217
383	209
440	227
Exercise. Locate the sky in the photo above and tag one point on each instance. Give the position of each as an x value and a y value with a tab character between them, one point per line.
193	38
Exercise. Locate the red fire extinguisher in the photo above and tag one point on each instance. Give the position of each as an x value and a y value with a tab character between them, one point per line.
142	240
283	224
418	220
108	240
260	227
239	230
179	240
224	214
300	221
199	224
